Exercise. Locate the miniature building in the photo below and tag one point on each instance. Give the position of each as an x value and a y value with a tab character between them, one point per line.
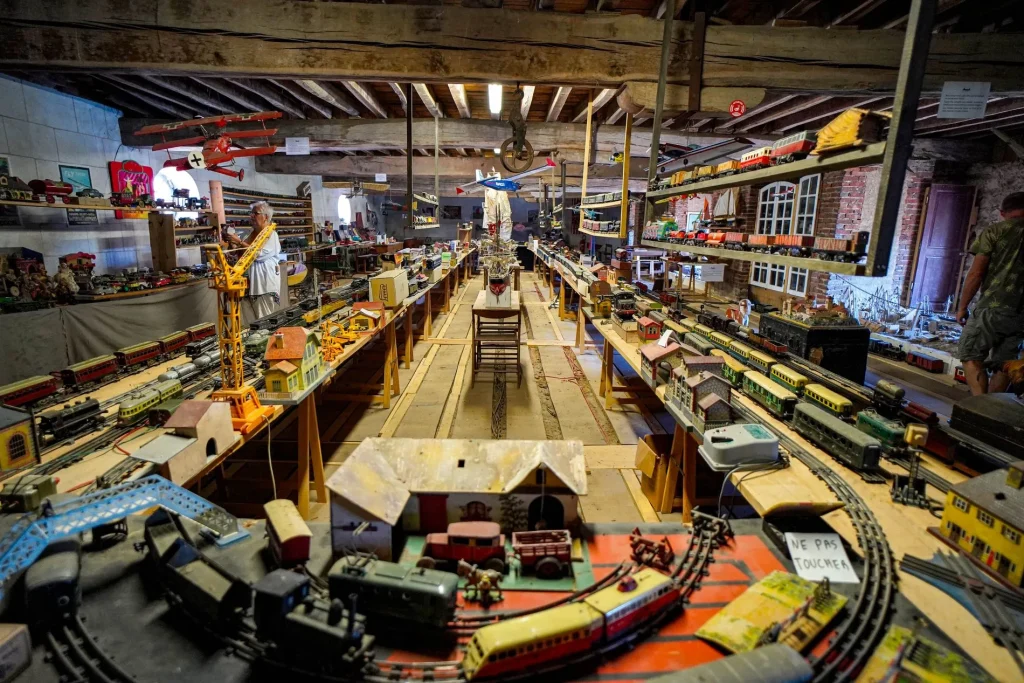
17	445
201	429
301	348
652	355
602	308
690	392
712	412
282	378
984	518
422	485
366	317
694	365
647	329
599	287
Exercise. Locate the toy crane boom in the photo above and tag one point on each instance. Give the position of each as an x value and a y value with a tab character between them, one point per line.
230	282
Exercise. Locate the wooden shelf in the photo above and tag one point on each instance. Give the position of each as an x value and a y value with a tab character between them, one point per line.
871	154
426	226
421	198
196	229
610	235
605	205
736	255
108	207
268	197
245	205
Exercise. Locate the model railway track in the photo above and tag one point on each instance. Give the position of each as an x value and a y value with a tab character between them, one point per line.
79	658
930	477
850	646
925	569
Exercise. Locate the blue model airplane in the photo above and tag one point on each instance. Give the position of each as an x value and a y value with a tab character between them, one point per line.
509	184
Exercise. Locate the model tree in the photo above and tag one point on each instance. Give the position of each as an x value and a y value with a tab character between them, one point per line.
513	513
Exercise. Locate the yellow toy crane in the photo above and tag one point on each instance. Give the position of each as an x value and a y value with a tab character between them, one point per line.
229	280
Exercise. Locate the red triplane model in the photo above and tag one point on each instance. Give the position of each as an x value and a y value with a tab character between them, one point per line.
216	151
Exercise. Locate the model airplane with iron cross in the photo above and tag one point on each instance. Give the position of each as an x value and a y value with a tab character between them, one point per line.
510	184
216	152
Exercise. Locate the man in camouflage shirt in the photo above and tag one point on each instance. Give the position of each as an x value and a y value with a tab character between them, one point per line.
993	332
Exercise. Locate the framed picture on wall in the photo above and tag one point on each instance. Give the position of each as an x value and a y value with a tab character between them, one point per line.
451	212
478	213
5	166
78	177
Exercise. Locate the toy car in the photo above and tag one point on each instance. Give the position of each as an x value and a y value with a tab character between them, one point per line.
103	290
160	281
479	543
90	193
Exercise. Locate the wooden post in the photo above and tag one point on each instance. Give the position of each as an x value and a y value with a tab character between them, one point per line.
315	452
689	476
901	132
302	474
566	214
408	334
217	201
666	44
586	146
624	206
408	152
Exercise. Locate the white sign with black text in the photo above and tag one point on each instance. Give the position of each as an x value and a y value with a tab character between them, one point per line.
712	272
963	100
296	146
380	177
820	556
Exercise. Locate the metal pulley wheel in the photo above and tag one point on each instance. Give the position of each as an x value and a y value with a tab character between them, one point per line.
516	162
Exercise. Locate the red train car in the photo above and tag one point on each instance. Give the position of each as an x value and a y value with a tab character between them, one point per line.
716	239
925	362
735	240
761	243
51	189
173	342
28	390
773	347
793	147
201	331
793	245
755	159
289	536
138	354
88	371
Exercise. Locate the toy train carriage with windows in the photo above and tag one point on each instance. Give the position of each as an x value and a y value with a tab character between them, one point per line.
793	245
15	189
793	147
791	379
828	400
733	370
288	535
755	159
842	441
89	371
173	344
778	400
761	243
144	354
136	407
836	249
760	360
727	168
201	331
28	391
735	240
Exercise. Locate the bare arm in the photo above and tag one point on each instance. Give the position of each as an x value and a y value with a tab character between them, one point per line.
972	283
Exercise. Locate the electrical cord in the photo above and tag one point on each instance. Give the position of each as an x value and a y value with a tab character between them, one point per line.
780	464
270	461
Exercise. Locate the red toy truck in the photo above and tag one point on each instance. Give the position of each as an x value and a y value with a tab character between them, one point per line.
479	543
547	552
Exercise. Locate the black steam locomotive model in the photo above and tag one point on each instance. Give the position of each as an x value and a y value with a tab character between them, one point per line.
71	420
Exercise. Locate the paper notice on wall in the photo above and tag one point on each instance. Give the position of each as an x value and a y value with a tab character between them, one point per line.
963	99
711	272
296	146
380	177
820	556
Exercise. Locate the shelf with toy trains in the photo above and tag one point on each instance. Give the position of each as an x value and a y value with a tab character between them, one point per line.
798	261
276	203
426	226
423	198
266	197
608	234
615	203
97	207
870	154
196	228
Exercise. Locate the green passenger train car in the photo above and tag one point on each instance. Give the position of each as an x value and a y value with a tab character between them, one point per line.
842	441
889	432
776	399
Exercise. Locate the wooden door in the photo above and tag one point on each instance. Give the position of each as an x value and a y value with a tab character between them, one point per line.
433	513
941	247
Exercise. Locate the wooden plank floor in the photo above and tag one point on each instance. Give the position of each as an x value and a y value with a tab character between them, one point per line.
439	399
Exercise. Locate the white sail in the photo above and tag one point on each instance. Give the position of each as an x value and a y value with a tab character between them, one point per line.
725	207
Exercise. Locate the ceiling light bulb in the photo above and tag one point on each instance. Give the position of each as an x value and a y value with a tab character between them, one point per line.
494	97
497	150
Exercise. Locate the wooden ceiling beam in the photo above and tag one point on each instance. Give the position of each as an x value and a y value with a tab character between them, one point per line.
527	99
240	97
767	105
174	109
458	92
304	96
275	98
429	101
858	12
615	116
600	99
154	88
366	97
830	108
782	112
400	91
1006	121
187	91
331	95
993	115
658	12
426	44
557	102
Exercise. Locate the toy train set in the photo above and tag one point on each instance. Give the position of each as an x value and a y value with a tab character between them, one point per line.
824	248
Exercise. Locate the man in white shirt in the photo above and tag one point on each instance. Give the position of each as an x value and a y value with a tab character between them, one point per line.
264	274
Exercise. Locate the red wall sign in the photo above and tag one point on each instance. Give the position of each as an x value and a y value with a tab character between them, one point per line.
131	174
737	108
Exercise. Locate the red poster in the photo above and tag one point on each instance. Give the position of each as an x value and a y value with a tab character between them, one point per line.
130	176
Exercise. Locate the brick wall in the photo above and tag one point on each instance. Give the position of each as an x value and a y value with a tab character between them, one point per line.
735	285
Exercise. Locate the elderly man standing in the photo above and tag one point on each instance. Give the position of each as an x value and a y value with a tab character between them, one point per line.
993	332
264	273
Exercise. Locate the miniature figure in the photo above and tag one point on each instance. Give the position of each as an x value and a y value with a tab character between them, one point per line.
482	585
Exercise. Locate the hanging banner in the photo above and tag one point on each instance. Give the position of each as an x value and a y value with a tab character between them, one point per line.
130	179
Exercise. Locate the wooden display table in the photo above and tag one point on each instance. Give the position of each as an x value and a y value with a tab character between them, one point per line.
496	336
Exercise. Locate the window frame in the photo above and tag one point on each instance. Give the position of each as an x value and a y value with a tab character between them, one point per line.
800	210
791	271
771	202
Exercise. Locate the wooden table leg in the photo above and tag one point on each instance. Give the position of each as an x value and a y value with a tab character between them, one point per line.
427	330
472	347
447	293
396	385
561	298
689	475
580	327
408	335
609	374
302	474
316	455
551	282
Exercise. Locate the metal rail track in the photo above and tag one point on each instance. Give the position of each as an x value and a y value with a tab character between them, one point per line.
849	647
77	655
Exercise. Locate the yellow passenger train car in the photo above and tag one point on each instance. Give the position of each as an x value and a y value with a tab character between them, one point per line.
688	324
740	351
776	399
676	327
824	397
789	378
703	330
732	369
721	339
760	360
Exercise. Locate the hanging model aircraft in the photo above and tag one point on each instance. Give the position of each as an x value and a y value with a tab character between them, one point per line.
216	152
510	184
